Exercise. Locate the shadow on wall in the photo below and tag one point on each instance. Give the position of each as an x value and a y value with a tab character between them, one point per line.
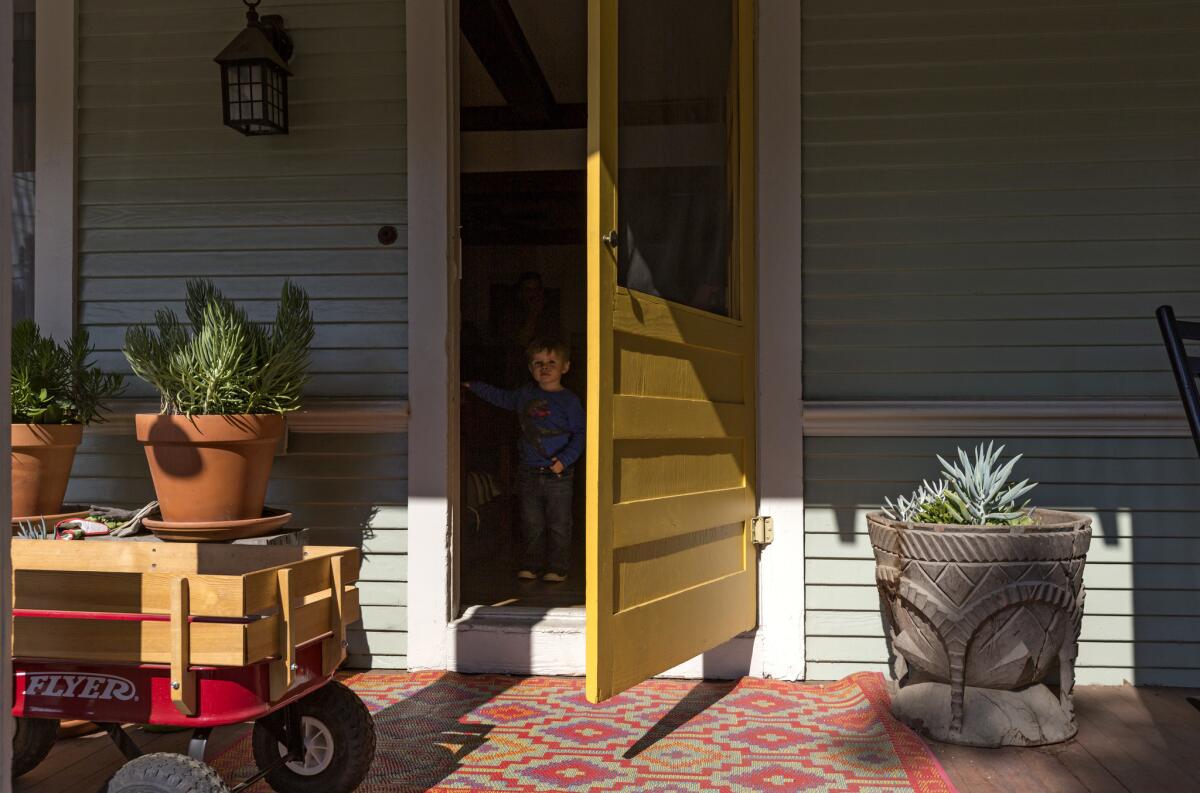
1143	571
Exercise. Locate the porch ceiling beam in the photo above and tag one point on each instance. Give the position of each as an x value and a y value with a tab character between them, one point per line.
503	118
492	30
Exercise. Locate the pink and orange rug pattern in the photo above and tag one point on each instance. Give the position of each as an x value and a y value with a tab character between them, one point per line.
466	733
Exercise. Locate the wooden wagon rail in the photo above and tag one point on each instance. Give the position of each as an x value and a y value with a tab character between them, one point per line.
184	604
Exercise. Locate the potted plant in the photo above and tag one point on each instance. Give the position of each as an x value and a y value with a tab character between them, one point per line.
982	601
224	386
55	392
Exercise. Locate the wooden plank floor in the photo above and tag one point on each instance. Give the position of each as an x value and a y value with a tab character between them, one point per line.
83	765
1131	740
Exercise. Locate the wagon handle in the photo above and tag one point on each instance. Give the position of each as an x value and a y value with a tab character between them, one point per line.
183	679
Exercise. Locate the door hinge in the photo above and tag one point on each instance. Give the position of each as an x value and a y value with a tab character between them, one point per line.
762	528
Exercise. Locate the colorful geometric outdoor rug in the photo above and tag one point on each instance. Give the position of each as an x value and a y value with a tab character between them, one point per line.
458	733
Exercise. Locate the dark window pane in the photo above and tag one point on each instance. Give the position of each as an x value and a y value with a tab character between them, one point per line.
675	191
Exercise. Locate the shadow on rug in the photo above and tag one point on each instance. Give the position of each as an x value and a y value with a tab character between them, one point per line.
450	732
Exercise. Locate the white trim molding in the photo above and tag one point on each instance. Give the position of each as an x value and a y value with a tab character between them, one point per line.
1032	418
55	231
431	33
780	435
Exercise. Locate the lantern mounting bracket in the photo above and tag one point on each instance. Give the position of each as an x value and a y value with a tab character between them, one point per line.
272	26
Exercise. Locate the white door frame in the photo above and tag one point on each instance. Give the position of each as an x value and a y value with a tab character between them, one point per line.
553	645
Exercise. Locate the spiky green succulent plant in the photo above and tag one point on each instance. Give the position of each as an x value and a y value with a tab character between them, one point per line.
225	363
976	491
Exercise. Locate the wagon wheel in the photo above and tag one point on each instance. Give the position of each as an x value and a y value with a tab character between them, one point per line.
32	741
166	773
339	743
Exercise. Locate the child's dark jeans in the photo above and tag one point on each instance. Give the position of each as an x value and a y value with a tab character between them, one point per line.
545	519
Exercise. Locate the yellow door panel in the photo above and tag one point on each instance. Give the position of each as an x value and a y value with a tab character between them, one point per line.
651	417
670	463
644	315
654	519
641	644
651	367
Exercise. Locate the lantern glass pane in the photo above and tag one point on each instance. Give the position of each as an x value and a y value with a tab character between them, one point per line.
256	92
243	74
256	73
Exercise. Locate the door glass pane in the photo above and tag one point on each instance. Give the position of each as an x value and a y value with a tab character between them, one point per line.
676	117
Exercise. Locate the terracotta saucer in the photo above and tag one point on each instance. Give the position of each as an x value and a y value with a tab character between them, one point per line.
212	531
51	519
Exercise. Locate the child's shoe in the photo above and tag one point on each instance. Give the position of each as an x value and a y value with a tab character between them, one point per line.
527	575
554	578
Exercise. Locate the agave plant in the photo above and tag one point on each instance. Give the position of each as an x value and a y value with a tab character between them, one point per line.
976	491
226	364
980	492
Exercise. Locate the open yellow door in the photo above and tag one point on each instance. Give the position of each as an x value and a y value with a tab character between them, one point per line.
670	464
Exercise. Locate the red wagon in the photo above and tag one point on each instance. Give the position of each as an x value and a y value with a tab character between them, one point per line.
196	636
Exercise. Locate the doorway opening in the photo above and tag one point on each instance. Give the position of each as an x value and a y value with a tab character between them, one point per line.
523	113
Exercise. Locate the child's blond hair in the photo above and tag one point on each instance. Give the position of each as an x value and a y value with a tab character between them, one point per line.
557	346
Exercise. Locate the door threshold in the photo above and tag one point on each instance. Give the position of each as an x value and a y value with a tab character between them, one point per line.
516	614
518	640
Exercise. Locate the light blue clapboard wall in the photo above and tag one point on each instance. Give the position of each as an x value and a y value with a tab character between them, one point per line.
997	197
165	193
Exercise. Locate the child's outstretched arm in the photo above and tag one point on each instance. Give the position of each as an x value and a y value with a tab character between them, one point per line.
500	397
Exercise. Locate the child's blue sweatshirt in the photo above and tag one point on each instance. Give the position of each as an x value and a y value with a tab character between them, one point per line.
552	422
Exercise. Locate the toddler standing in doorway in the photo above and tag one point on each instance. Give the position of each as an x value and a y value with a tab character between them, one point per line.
551	442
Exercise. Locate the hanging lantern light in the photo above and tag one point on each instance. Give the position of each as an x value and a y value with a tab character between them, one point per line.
254	75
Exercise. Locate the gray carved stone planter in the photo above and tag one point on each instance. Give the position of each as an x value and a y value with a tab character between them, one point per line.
980	621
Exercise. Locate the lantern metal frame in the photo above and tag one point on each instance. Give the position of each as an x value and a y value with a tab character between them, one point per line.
254	75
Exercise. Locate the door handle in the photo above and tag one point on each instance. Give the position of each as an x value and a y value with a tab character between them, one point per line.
610	239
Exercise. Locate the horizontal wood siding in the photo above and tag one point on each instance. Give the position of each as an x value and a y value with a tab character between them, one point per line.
1142	613
345	489
997	195
166	193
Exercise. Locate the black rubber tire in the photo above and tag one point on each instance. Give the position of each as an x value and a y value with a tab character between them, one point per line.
32	741
353	732
166	773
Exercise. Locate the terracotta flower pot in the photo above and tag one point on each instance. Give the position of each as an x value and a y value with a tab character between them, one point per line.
209	468
42	455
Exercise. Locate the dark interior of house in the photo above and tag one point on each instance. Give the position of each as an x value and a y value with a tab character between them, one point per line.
523	94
